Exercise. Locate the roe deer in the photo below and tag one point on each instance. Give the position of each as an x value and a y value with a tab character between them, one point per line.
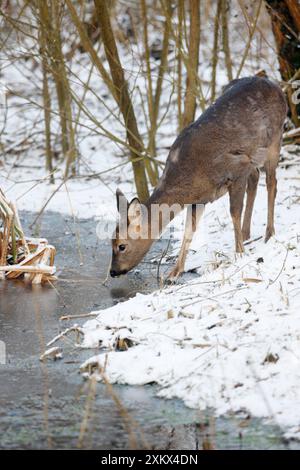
220	152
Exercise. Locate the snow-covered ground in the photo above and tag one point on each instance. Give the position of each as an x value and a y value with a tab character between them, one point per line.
229	339
103	164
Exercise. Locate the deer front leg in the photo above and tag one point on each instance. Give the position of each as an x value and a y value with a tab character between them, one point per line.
194	213
236	197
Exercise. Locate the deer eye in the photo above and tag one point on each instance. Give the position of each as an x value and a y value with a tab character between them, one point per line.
122	247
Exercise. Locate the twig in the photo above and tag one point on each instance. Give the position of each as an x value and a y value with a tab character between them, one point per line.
252	241
64	333
83	315
46	204
282	268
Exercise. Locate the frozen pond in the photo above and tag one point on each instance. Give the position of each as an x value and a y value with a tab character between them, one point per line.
48	404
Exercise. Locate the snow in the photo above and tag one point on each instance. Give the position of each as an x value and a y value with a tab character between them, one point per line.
207	341
83	197
22	126
228	339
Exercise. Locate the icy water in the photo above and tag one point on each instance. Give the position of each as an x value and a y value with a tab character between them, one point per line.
49	405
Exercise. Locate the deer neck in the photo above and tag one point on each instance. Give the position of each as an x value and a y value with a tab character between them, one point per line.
162	206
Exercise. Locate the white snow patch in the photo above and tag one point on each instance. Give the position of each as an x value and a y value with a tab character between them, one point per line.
229	339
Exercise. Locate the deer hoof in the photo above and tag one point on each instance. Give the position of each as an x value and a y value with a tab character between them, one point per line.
270	232
173	276
246	235
240	249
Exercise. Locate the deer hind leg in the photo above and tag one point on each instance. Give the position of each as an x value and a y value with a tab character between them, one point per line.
236	198
270	167
194	213
251	194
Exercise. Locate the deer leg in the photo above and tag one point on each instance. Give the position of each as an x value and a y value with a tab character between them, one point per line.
192	219
251	194
236	197
272	190
270	167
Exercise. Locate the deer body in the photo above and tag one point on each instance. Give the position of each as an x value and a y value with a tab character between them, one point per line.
220	152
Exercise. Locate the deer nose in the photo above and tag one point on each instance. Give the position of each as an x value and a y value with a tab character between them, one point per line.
114	273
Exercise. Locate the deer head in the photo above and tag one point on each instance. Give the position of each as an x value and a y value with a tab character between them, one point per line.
130	241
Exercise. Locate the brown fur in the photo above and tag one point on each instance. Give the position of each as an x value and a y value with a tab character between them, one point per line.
219	153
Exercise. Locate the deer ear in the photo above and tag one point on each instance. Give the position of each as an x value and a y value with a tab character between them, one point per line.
120	199
134	211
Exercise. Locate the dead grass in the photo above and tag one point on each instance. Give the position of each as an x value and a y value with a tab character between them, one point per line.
32	258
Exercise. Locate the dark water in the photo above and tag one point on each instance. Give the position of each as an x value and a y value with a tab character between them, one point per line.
48	404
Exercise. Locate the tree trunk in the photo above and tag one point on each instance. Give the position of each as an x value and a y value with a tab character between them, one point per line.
285	17
152	173
45	17
49	17
64	88
192	65
158	91
46	94
123	99
225	39
179	40
215	54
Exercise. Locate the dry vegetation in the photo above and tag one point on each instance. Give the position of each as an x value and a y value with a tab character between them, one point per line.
128	72
20	255
179	52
